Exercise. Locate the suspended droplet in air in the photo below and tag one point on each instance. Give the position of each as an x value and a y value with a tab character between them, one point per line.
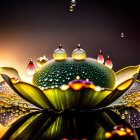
122	35
100	58
30	68
71	9
108	63
73	2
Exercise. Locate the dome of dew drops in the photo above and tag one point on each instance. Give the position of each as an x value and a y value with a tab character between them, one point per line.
58	73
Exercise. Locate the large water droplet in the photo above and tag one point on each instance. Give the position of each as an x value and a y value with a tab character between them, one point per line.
100	58
59	54
78	54
108	63
73	2
30	68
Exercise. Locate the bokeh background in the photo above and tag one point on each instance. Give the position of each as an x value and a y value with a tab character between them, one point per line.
32	28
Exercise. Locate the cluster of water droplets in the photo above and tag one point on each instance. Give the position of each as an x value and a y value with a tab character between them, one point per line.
8	97
8	114
131	98
61	72
131	115
108	62
73	3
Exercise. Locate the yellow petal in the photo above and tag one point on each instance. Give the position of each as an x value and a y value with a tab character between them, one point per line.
32	94
62	100
125	85
11	72
85	98
29	92
126	73
116	93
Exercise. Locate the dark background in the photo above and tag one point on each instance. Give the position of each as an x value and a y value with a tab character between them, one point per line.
30	29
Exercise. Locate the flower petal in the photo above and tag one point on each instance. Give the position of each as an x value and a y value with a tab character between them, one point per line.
116	93
72	99
124	80
126	73
91	98
62	100
11	72
30	93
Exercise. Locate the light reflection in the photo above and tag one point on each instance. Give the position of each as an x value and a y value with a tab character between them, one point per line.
6	119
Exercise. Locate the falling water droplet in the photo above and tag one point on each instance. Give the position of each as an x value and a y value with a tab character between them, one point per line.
100	58
73	2
30	68
122	35
108	63
71	9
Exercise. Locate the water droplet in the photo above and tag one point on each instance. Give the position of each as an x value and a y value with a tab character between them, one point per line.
122	35
123	116
78	54
98	88
41	61
45	79
50	79
100	58
125	112
30	68
73	2
71	8
108	63
59	54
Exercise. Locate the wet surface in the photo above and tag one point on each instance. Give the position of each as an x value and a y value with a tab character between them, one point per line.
68	125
